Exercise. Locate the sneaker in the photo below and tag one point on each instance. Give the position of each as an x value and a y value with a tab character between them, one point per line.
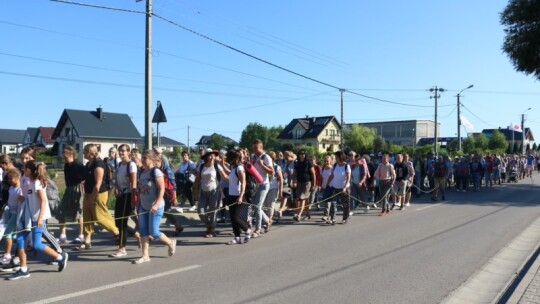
141	260
234	241
77	240
10	267
407	204
62	239
193	208
118	254
20	274
63	263
6	259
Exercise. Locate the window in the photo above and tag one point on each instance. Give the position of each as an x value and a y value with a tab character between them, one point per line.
67	131
78	147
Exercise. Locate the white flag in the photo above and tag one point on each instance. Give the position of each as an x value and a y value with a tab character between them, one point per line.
515	127
466	123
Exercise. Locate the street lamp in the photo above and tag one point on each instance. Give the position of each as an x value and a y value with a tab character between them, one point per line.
458	114
436	96
523	131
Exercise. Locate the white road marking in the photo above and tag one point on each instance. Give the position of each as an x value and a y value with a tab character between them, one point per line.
119	284
427	207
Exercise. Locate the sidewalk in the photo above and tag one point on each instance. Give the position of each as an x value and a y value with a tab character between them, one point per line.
528	290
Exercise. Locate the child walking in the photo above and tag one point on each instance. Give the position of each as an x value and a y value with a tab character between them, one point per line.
31	219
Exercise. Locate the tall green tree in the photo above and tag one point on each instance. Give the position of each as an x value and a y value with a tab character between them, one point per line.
359	139
534	147
497	141
452	146
522	40
217	141
253	130
272	142
468	145
379	144
481	142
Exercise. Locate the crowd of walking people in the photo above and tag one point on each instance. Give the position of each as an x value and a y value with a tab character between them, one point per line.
258	189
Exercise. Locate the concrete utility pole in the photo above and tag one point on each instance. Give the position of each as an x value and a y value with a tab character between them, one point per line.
148	77
436	96
458	116
523	150
342	126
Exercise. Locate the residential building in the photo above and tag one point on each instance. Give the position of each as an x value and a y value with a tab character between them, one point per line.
512	136
322	133
403	132
29	136
206	139
166	143
11	141
79	127
43	137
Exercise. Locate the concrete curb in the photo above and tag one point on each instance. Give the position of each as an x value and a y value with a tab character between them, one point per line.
489	283
520	290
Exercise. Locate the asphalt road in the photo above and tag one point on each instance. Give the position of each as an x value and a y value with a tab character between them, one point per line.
419	255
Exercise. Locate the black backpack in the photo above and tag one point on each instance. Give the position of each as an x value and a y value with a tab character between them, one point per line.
251	185
109	173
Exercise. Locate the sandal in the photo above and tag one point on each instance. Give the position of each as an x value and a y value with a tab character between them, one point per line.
141	260
84	246
172	247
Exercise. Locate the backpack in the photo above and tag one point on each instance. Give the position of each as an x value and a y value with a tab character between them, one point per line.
52	195
169	194
439	170
251	185
109	179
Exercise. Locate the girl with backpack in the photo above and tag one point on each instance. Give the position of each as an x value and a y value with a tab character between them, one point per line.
340	180
151	205
209	176
126	190
235	197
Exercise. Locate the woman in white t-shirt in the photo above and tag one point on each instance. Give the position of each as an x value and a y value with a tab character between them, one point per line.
209	175
339	180
126	190
234	199
326	171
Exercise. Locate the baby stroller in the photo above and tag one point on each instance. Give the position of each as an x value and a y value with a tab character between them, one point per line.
513	174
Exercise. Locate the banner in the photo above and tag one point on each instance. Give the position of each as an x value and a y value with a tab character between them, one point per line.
515	127
466	123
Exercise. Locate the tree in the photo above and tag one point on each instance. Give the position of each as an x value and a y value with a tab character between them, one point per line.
272	142
534	147
217	141
379	144
359	139
481	142
468	145
452	145
253	131
497	141
522	40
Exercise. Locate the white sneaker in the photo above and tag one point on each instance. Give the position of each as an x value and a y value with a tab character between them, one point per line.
407	204
351	213
193	209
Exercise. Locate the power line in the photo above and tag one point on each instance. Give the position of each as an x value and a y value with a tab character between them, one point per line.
139	86
244	53
99	6
480	119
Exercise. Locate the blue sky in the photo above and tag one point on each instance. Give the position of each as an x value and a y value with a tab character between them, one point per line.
55	56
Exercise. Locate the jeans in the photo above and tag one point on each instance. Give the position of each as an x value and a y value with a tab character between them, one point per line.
149	222
208	203
340	198
258	200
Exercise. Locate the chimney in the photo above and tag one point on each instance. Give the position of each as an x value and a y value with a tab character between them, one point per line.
312	122
100	113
